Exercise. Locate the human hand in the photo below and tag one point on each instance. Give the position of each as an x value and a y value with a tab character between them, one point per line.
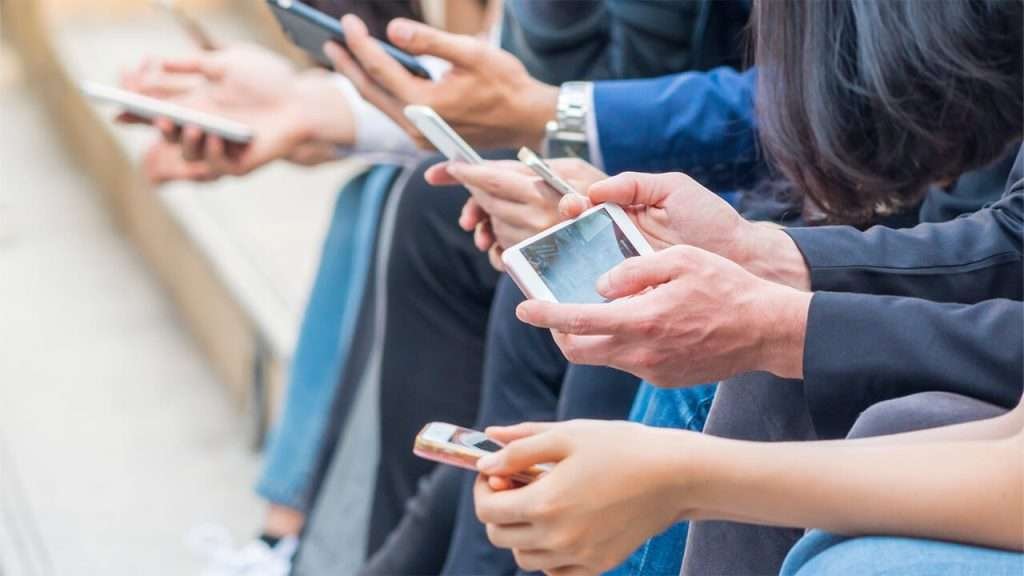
672	208
487	96
294	116
680	317
586	515
509	202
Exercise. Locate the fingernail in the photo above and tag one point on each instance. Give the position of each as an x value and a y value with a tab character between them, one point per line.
400	31
352	24
603	284
519	312
488	462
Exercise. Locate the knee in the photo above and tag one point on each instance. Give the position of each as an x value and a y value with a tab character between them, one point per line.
918	412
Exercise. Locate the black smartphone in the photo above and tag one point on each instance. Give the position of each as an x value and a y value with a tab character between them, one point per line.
310	29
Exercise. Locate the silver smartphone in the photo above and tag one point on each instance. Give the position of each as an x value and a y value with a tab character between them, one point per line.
151	108
441	135
541	168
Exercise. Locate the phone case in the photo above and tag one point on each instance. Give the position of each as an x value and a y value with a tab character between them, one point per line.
310	29
461	456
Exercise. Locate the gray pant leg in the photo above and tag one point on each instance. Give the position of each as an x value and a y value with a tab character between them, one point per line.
919	412
758	407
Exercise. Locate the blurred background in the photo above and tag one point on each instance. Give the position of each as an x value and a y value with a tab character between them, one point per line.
144	334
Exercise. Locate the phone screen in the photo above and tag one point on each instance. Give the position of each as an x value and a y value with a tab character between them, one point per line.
572	258
474	439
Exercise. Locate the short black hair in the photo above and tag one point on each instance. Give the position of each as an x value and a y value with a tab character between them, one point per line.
862	104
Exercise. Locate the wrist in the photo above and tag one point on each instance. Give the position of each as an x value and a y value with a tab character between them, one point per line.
693	476
542	107
768	252
315	91
782	331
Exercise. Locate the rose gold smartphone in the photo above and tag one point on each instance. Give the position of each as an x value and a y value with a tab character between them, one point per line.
462	447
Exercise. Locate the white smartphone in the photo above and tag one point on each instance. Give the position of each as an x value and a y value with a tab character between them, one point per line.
541	168
563	263
441	135
462	447
152	108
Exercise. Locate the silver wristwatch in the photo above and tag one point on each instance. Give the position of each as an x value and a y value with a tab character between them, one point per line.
567	134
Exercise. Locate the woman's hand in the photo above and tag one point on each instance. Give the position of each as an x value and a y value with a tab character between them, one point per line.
680	317
487	96
613	486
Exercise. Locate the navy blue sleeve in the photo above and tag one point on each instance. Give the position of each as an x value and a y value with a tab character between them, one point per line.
701	123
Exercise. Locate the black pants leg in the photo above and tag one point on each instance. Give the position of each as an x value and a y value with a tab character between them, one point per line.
439	293
527	378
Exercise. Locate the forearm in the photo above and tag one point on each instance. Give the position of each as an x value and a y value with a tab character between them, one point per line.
963	491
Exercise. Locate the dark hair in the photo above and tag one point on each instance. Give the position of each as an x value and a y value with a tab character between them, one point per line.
863	103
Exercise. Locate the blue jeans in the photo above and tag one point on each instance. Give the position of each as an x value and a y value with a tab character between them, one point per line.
823	553
325	337
686	409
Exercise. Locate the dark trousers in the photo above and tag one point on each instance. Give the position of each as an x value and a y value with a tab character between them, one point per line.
525	378
765	408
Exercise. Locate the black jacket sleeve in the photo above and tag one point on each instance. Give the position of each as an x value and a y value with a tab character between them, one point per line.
863	349
934	307
973	258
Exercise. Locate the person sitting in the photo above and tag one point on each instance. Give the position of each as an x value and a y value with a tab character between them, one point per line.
880	307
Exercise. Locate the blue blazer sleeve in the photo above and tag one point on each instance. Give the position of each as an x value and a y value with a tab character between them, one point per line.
701	123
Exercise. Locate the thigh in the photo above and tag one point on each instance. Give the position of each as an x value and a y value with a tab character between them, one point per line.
820	553
758	407
438	290
523	376
919	412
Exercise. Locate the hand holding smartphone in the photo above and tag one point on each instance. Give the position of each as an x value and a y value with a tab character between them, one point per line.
310	29
462	447
563	263
542	169
441	135
152	108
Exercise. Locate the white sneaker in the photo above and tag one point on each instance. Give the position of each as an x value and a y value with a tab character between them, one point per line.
214	544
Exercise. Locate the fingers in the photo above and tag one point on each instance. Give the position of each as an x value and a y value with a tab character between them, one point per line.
415	38
634	275
170	132
630	188
491	178
523	453
483	236
572	205
368	88
494	256
472	215
377	64
506	434
438	175
607	318
503	507
204	65
192	143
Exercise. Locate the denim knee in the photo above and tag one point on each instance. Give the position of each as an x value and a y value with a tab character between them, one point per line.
821	553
